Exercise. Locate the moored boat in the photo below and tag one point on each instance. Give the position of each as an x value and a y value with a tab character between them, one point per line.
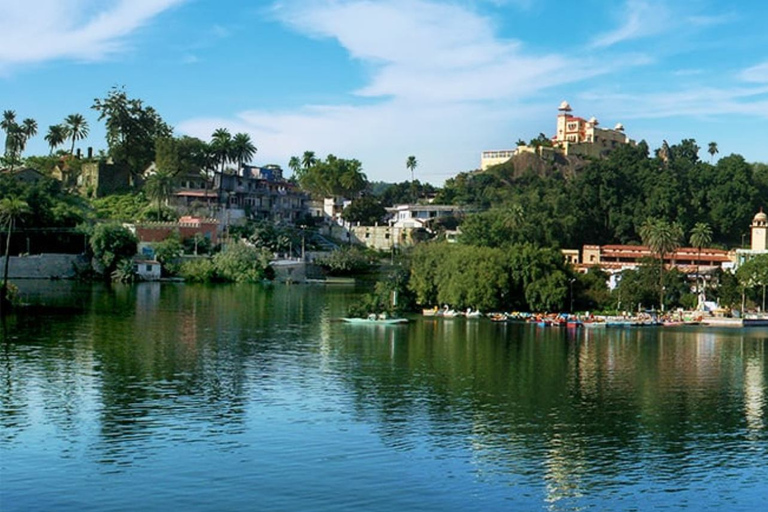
375	321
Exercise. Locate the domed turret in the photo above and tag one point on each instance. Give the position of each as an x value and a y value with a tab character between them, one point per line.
593	121
619	127
564	107
761	219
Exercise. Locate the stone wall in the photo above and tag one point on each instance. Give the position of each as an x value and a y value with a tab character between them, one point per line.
45	266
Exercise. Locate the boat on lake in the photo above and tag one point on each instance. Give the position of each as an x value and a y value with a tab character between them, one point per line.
375	321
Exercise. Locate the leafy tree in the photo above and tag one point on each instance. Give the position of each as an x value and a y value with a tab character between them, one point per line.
132	128
334	177
169	251
662	238
56	136
366	210
11	209
538	278
391	194
243	263
591	290
349	260
77	129
639	288
111	244
754	273
201	270
120	207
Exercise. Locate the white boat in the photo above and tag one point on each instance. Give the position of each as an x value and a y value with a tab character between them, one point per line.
472	314
375	321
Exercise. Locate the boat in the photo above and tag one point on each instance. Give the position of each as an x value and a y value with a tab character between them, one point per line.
375	321
472	314
449	313
431	311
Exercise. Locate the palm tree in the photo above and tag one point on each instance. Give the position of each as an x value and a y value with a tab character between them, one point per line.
411	164
8	124
294	164
221	146
159	187
77	129
662	238
712	150
11	208
308	160
28	130
56	136
243	149
701	236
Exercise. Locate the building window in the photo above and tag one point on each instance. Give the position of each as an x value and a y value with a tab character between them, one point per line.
149	268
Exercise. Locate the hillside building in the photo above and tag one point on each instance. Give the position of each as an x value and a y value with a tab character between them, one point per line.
573	136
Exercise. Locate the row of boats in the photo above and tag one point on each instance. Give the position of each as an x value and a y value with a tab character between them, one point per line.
570	320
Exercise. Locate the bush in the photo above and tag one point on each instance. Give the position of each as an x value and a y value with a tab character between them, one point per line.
347	261
242	263
112	243
198	271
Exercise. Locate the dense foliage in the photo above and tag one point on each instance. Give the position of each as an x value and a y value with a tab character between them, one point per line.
238	262
608	200
111	244
522	276
347	261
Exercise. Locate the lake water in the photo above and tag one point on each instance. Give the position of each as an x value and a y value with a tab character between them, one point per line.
173	397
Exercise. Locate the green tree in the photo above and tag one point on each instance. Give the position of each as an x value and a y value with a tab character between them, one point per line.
243	263
712	150
132	128
662	238
159	188
334	177
294	164
77	129
243	149
308	160
701	236
411	164
169	251
11	209
754	273
111	244
366	210
28	130
56	136
221	146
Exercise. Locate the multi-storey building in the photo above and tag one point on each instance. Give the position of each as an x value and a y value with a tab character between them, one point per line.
574	136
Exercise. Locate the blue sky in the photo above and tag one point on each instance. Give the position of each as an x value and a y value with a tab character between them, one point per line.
382	80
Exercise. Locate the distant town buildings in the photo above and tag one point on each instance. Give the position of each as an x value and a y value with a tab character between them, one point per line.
574	136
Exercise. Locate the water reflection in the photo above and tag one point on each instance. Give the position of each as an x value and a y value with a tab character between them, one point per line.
153	376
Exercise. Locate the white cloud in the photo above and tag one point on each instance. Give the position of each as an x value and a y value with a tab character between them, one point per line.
756	74
443	87
697	102
641	19
39	30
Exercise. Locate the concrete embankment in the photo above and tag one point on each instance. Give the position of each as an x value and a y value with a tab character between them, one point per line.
45	266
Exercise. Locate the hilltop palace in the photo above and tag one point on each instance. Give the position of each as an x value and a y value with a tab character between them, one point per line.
575	136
